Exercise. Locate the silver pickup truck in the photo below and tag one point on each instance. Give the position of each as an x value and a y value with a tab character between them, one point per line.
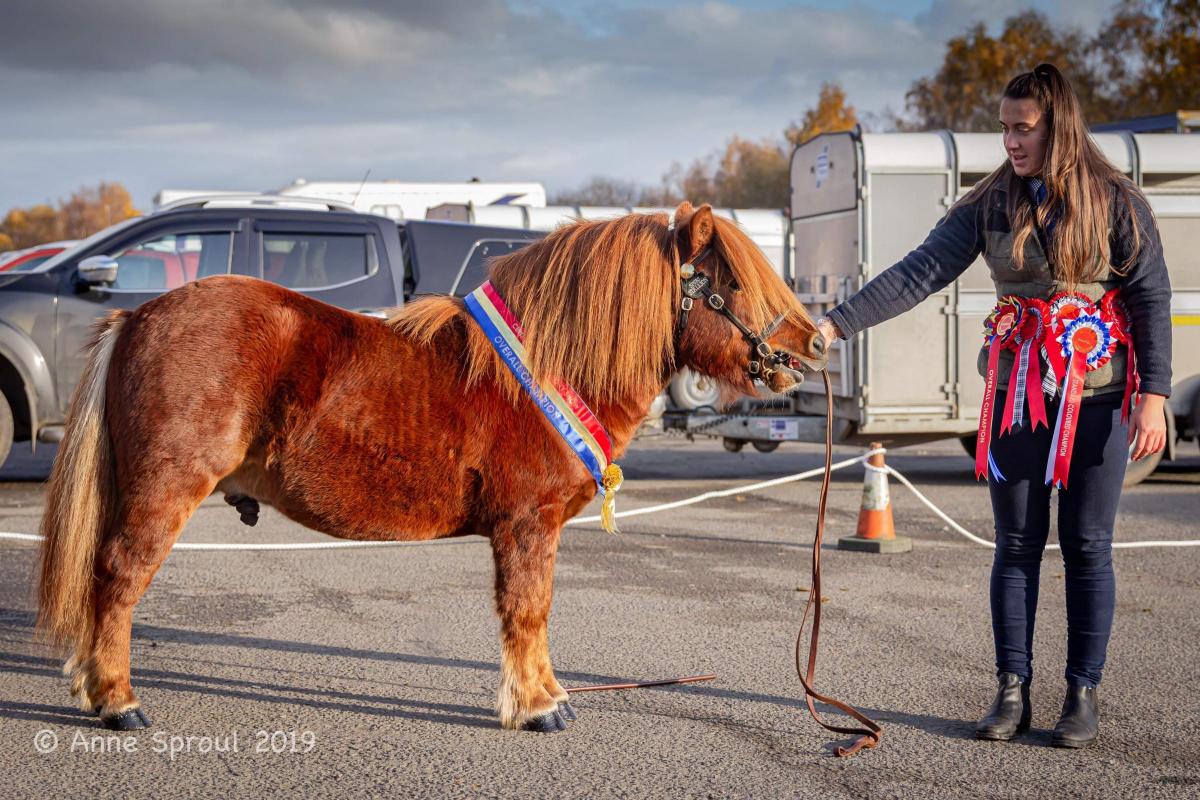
324	249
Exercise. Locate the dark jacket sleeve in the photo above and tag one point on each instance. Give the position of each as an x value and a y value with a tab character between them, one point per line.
1146	290
951	247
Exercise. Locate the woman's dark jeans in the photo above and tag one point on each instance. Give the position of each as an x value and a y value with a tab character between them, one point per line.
1087	511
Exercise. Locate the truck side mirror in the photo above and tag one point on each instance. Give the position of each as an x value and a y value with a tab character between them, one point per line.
98	270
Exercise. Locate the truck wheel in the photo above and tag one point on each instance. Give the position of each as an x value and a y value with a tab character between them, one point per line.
6	429
765	447
1138	471
733	445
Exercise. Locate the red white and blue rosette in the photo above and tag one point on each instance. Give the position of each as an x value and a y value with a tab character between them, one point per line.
1060	307
1083	341
998	329
1027	371
1113	309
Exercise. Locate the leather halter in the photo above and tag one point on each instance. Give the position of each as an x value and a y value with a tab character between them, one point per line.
698	286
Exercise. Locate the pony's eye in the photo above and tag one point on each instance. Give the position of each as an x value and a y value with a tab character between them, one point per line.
735	288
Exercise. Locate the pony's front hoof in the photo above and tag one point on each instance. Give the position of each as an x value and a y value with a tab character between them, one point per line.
550	722
132	720
567	711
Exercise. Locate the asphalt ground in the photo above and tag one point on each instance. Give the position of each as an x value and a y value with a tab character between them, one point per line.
351	673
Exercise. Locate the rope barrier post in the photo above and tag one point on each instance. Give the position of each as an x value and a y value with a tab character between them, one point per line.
876	529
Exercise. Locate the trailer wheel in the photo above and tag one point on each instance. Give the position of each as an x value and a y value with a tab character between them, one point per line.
6	429
691	390
733	445
765	447
1138	471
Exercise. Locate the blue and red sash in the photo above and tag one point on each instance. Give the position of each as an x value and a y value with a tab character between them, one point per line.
562	406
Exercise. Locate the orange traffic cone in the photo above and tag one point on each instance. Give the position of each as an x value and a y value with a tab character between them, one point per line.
876	530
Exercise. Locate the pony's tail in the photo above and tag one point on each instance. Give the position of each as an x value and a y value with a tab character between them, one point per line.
79	500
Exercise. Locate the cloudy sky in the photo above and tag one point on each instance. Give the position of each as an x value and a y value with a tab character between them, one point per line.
251	94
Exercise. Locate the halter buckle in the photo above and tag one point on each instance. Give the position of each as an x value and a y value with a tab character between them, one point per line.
716	301
686	305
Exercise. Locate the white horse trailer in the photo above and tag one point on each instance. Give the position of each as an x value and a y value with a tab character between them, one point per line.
860	202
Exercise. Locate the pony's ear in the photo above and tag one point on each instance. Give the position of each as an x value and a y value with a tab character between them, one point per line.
693	228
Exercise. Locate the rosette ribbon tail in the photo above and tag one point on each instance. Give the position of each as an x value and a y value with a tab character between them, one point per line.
983	441
1059	468
1012	405
1037	402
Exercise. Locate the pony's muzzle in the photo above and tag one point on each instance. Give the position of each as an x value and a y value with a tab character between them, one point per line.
816	346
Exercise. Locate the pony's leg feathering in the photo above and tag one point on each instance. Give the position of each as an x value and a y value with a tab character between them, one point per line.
529	698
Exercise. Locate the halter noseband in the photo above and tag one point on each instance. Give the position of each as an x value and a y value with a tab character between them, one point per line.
697	286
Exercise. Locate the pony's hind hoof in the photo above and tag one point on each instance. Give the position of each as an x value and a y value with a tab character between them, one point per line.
132	720
550	722
567	711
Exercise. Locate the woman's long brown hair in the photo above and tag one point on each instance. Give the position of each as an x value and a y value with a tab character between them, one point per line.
1081	188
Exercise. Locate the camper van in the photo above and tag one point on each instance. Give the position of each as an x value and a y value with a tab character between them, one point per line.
402	200
399	200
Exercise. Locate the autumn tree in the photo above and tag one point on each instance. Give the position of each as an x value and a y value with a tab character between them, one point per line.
26	227
1149	58
86	211
744	174
89	209
598	191
831	115
965	93
1143	61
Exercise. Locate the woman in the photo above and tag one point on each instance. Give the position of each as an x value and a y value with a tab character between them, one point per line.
1055	218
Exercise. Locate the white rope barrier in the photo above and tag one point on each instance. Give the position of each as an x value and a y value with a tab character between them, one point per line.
753	487
634	512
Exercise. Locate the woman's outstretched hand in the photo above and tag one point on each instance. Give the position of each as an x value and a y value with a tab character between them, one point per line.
1148	425
828	331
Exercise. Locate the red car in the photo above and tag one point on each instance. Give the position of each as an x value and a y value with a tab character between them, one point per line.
27	259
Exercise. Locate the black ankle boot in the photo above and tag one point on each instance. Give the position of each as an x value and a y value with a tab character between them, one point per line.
1010	711
1080	721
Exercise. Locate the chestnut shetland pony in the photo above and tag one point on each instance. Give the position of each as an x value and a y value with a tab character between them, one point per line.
411	429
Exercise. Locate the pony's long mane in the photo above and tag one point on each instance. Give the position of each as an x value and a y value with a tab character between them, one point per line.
598	302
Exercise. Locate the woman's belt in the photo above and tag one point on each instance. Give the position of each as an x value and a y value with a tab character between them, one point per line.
1075	336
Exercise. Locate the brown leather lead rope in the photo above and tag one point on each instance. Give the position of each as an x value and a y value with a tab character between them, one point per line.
872	733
